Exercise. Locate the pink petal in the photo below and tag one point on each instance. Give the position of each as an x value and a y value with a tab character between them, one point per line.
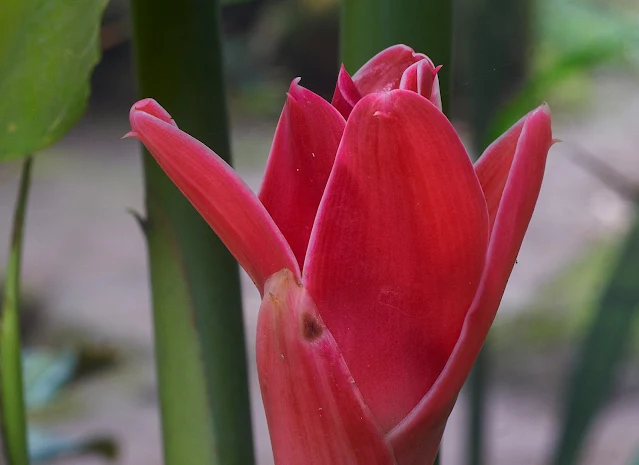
215	190
493	167
301	159
315	413
514	212
421	77
384	71
435	95
346	94
397	249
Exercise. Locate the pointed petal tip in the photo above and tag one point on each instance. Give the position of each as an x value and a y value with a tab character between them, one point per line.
541	118
129	135
150	107
543	108
295	85
346	94
298	93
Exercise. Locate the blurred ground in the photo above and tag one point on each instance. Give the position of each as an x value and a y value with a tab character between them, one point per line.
85	263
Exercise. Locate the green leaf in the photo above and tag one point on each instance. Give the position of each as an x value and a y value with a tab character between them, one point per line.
48	49
12	412
543	81
575	36
608	336
566	26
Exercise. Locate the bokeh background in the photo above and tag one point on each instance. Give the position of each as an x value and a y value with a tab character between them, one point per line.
86	303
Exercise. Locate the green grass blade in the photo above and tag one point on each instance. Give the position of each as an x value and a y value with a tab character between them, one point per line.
197	308
12	408
601	351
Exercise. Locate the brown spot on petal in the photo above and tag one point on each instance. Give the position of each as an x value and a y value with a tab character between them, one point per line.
311	327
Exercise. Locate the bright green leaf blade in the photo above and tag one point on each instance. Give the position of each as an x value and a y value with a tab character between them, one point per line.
602	349
48	49
12	412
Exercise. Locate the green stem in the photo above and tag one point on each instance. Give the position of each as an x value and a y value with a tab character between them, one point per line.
12	409
369	26
201	355
477	384
492	37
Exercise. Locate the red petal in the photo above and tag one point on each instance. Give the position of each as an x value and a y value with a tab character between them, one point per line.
493	167
513	215
397	249
421	77
346	94
300	162
221	197
315	413
384	71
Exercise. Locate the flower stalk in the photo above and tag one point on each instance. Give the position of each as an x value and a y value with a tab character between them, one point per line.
202	376
13	421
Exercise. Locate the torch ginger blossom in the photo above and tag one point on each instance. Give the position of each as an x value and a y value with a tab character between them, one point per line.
380	251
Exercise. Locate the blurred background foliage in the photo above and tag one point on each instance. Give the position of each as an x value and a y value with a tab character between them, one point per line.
508	57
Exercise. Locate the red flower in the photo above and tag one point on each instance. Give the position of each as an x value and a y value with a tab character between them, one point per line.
380	251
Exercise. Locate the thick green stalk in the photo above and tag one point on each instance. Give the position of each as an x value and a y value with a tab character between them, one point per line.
492	53
608	336
477	384
369	26
12	410
197	308
491	60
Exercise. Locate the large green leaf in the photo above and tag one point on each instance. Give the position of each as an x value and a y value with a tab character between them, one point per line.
47	51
